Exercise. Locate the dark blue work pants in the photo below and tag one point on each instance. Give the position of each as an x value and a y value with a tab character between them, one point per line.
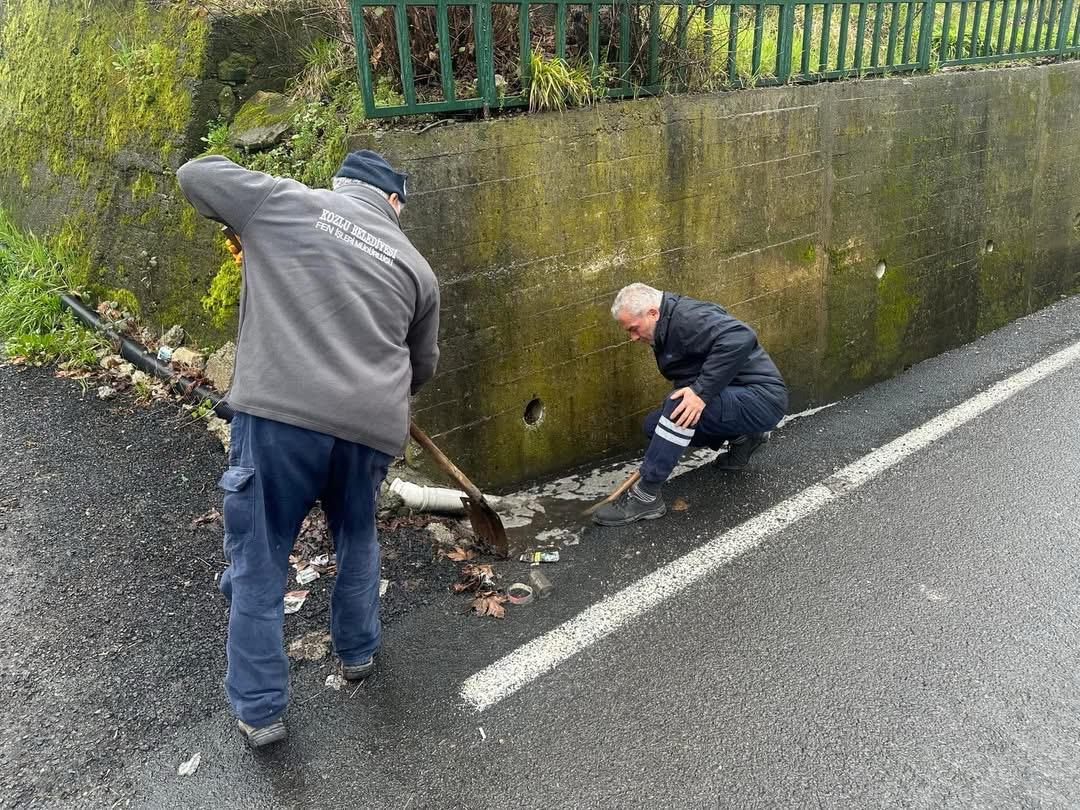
737	410
276	473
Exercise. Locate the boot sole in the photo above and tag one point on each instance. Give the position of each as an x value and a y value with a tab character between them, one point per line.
268	735
647	516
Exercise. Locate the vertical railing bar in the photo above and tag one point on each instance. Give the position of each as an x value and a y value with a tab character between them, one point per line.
680	43
1039	26
826	30
624	43
1003	21
710	10
446	62
890	47
653	77
1026	41
976	19
733	42
807	38
560	29
841	45
1015	26
960	30
875	46
988	35
363	64
524	46
1051	19
905	50
1063	27
926	32
485	60
401	24
785	34
1076	32
594	40
759	34
943	51
860	38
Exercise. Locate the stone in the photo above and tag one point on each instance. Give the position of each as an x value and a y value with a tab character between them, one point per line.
264	120
106	392
236	68
226	102
219	368
443	535
173	337
189	357
218	428
389	503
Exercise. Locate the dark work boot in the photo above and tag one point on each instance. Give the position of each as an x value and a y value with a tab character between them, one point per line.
739	451
357	672
264	735
635	504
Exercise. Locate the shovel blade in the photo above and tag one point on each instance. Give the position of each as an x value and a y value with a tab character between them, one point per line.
488	527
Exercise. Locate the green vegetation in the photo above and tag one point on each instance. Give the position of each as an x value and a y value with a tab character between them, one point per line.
554	84
32	323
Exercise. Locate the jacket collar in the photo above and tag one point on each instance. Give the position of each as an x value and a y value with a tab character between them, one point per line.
667	306
371	197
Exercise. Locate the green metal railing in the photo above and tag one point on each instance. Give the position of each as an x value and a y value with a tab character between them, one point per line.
435	56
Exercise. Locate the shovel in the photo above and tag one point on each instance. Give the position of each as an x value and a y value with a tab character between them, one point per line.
615	493
485	522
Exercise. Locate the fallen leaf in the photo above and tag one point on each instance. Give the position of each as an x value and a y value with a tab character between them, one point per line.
459	554
489	603
680	505
213	516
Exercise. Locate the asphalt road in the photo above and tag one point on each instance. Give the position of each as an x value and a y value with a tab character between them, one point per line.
912	643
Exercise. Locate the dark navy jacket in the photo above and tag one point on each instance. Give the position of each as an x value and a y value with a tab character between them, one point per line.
698	344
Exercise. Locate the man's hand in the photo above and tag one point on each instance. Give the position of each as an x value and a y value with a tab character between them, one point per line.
688	412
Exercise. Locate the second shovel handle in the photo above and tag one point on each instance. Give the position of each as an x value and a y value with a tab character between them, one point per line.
451	469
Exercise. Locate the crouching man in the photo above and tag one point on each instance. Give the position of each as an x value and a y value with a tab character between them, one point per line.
727	389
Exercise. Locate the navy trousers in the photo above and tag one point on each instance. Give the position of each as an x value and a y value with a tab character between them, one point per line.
276	473
737	410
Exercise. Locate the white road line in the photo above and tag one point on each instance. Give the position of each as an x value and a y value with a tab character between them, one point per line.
541	655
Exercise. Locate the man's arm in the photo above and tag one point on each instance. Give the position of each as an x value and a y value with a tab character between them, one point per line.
223	191
726	342
423	341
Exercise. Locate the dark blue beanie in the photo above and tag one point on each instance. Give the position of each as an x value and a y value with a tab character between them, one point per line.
372	168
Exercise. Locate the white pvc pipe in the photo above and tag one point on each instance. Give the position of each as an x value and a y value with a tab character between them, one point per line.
432	499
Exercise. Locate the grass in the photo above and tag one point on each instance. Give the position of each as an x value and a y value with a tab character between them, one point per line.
554	84
32	323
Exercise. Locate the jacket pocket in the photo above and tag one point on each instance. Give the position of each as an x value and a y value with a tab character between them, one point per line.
238	508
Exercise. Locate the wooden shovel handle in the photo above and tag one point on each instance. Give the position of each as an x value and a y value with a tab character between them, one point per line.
615	493
451	469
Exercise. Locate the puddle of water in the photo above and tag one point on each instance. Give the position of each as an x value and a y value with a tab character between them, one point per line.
549	514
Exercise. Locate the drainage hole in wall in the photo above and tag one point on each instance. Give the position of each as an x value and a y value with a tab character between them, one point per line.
879	271
990	246
534	411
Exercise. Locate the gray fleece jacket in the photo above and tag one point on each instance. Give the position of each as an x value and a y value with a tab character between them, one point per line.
339	313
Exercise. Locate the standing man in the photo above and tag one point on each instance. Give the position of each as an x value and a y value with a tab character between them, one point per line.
339	316
726	389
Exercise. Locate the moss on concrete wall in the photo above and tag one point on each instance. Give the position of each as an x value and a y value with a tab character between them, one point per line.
99	104
779	203
783	204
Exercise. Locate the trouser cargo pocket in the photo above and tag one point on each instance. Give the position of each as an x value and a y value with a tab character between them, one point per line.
238	508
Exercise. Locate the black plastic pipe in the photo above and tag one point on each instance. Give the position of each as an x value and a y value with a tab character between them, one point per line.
139	357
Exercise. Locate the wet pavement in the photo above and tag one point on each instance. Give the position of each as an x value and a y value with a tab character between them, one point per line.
913	644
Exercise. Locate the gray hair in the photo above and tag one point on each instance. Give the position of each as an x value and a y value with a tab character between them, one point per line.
635	299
